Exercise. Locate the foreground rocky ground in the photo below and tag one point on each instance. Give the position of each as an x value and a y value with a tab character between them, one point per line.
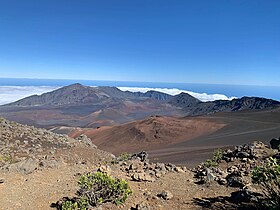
39	168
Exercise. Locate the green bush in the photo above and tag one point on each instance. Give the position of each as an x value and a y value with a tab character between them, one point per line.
216	159
124	157
100	188
217	155
209	163
268	177
97	188
7	158
70	205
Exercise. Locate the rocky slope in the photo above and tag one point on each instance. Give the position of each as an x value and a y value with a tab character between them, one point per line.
39	168
26	148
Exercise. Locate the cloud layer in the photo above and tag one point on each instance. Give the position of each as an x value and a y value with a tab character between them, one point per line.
10	94
174	91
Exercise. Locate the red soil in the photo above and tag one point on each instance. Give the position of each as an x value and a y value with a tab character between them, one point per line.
151	133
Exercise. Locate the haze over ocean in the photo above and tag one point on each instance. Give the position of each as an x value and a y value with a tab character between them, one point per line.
14	89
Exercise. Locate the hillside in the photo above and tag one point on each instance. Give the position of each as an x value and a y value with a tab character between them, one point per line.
186	140
36	164
40	170
150	133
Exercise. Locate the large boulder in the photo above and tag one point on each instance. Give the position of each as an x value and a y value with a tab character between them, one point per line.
244	195
142	156
274	143
235	180
25	166
142	176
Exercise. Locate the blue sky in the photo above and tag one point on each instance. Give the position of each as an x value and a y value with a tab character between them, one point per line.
218	42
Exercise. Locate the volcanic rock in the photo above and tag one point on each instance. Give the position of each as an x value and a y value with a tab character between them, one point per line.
166	195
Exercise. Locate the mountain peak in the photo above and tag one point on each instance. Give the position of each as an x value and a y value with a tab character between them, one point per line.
184	100
74	86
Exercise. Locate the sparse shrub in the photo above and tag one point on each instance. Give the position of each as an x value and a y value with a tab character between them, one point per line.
268	177
209	163
124	157
100	188
6	158
216	159
70	205
97	188
217	155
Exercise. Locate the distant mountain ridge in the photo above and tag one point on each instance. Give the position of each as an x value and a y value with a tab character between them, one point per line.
79	105
244	103
79	94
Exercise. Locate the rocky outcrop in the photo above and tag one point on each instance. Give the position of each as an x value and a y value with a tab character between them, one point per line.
25	166
236	165
138	167
87	141
25	149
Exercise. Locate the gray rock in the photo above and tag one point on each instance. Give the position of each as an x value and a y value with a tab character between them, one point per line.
166	195
105	169
160	167
244	196
179	169
210	177
49	163
235	180
26	166
232	169
222	181
243	154
170	167
142	206
142	156
136	166
274	143
40	150
87	141
142	177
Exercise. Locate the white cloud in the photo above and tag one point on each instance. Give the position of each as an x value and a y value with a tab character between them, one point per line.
10	94
175	91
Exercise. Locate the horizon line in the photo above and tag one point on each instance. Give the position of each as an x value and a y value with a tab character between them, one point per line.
164	82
